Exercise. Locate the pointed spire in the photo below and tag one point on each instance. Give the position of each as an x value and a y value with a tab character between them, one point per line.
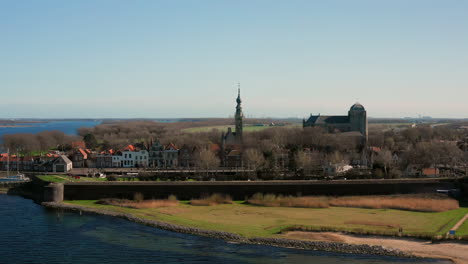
238	94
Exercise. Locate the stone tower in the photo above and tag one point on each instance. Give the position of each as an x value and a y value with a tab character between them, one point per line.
358	119
239	117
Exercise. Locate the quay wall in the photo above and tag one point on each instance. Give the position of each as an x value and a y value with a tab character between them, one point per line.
241	190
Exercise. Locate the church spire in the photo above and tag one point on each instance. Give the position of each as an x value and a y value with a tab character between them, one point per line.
238	117
238	94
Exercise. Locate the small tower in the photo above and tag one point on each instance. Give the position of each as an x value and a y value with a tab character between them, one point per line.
239	117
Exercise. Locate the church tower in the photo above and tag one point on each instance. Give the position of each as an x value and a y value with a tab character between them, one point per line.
358	120
239	117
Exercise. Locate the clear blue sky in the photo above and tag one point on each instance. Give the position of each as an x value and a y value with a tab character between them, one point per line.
184	58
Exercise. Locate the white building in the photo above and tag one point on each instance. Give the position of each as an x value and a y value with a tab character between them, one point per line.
130	159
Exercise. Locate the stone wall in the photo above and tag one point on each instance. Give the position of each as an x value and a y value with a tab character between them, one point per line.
241	190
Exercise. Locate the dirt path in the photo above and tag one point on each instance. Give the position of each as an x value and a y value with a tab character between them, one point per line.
459	223
456	252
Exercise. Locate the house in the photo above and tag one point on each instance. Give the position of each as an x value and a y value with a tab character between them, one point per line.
133	158
233	159
79	158
163	156
104	159
187	156
62	164
171	156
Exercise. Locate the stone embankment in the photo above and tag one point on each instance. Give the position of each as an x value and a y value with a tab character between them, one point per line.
276	242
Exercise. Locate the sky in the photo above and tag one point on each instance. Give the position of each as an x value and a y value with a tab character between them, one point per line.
185	58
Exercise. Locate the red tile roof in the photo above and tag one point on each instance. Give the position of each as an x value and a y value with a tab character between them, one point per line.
171	146
215	147
130	148
84	153
78	144
375	149
430	171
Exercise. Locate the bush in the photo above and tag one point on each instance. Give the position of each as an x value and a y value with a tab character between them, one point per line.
289	201
112	177
138	197
140	204
213	199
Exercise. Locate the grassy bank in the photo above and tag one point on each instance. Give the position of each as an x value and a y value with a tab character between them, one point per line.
256	221
65	178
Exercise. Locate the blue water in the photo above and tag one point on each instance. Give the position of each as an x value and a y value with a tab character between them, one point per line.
68	127
30	233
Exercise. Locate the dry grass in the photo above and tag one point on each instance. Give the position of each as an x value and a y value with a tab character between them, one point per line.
211	200
289	201
141	204
422	203
413	203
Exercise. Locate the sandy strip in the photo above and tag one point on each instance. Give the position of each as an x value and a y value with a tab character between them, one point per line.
456	252
457	225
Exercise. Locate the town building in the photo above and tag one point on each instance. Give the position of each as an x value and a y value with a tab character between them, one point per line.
161	156
62	164
130	157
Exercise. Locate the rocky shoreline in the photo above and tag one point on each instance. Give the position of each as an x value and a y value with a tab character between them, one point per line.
276	242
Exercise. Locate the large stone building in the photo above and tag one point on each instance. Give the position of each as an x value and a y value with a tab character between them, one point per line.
356	120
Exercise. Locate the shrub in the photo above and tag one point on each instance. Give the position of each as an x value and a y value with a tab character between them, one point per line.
112	177
289	201
403	202
140	204
213	199
138	197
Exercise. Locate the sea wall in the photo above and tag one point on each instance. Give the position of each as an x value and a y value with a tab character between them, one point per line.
241	190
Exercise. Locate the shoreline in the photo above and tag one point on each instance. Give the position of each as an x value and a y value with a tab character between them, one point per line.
328	246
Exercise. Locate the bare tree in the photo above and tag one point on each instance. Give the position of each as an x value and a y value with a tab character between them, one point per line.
207	160
384	158
254	159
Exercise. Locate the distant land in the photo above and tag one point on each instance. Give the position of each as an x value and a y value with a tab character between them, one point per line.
6	121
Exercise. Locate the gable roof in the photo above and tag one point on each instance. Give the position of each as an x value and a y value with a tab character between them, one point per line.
130	148
171	146
85	155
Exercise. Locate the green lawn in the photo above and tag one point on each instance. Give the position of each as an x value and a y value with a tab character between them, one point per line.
65	178
463	229
252	221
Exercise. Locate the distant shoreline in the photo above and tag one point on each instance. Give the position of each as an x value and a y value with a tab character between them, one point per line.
10	126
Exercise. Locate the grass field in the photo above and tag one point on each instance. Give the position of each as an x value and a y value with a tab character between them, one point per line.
463	229
253	221
64	178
